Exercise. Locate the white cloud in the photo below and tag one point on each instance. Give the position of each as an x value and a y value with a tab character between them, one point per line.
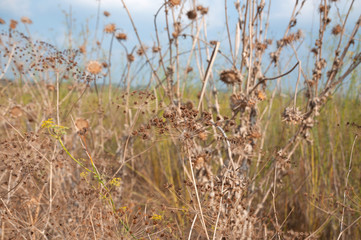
16	8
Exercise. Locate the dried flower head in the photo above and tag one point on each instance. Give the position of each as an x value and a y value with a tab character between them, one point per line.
106	13
82	126
175	34
292	115
192	14
230	76
189	69
202	10
336	29
322	8
121	36
104	64
50	87
94	67
260	95
2	21
155	49
199	162
16	112
141	50
109	28
203	136
26	20
175	2
82	49
13	24
130	57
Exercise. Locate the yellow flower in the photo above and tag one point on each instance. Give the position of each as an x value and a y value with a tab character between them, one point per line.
83	174
115	182
156	217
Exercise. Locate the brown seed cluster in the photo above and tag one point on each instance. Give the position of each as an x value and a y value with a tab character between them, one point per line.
31	57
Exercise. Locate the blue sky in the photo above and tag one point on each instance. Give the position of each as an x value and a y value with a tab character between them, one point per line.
49	21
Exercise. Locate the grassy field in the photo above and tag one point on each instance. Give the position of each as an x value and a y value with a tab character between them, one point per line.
84	159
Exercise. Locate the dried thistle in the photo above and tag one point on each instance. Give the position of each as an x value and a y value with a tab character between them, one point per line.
336	29
13	24
175	2
121	36
192	14
16	112
202	10
50	87
155	49
94	67
26	20
109	28
203	136
260	95
230	76
82	126
175	34
2	21
141	50
106	13
130	57
82	49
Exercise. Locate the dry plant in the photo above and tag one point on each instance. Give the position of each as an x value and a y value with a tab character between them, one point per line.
179	159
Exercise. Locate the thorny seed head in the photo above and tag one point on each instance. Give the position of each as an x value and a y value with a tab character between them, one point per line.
192	14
